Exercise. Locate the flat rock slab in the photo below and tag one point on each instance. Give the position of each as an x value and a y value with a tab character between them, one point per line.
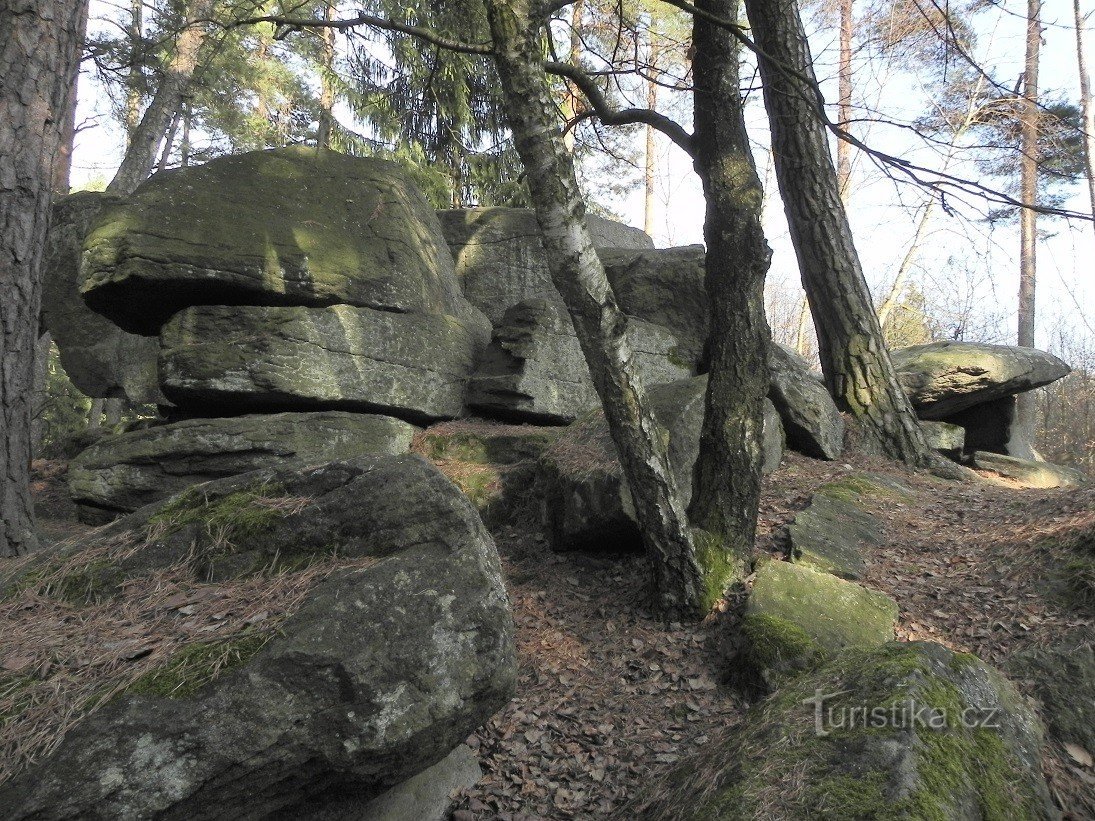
810	417
290	226
902	731
1028	473
500	256
942	378
534	370
379	673
832	535
239	359
121	473
101	359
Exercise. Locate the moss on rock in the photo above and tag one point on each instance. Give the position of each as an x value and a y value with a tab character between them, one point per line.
196	665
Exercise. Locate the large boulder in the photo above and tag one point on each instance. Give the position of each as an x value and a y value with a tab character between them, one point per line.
534	369
121	473
1062	678
500	257
101	359
813	424
291	226
393	654
943	378
1026	472
240	358
904	731
666	287
585	498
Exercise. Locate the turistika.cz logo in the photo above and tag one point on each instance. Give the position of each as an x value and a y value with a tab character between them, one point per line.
902	715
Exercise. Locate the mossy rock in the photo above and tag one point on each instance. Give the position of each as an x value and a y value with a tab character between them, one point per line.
910	732
796	615
1062	678
290	226
835	533
485	443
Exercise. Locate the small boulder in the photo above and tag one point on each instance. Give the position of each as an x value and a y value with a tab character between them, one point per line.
500	256
534	370
831	536
1062	678
903	731
231	359
290	226
796	616
1028	473
810	417
398	650
101	359
120	474
586	502
942	378
948	439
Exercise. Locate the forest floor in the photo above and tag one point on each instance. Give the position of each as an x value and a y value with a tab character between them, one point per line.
608	697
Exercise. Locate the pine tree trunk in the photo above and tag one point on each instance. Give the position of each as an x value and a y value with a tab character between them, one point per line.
140	158
844	93
726	487
857	366
1087	105
1026	405
327	90
651	169
39	56
600	325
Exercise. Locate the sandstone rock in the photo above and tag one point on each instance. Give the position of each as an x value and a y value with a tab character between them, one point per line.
813	424
796	616
586	502
942	378
665	287
101	359
121	473
1028	473
500	257
378	674
232	358
284	227
944	437
534	369
927	733
1062	678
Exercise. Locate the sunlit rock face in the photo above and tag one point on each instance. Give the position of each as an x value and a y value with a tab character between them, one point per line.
291	226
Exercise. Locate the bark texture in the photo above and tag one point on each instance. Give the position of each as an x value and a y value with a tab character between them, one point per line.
857	366
727	478
1087	106
140	158
579	276
40	43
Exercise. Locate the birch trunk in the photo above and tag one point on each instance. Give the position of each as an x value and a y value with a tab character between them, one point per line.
1087	105
600	325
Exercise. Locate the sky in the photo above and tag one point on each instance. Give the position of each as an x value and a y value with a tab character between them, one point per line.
963	260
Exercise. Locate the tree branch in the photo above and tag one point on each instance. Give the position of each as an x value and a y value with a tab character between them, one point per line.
420	32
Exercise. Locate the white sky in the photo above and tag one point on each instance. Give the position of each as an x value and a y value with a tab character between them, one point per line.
882	225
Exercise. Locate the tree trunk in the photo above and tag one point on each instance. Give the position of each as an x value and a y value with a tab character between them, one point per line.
572	101
857	366
39	56
169	142
651	170
844	93
143	151
95	416
1087	106
726	487
578	274
1027	407
135	32
327	89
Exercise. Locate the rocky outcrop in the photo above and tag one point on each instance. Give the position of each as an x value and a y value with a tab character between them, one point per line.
1026	472
948	439
500	256
1062	678
400	649
239	359
664	287
911	731
121	473
534	369
284	227
101	359
796	616
813	424
585	499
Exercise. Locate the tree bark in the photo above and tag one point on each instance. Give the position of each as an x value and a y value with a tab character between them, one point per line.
327	89
857	366
578	274
726	486
651	170
844	93
1087	105
39	56
1027	406
141	156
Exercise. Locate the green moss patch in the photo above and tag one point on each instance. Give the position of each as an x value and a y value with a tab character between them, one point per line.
197	665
